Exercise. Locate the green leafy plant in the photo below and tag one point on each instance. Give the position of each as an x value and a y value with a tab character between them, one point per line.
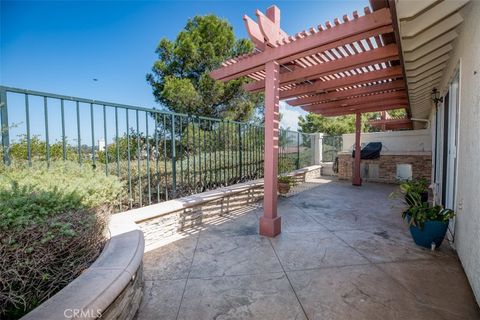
411	190
286	163
421	212
286	179
416	186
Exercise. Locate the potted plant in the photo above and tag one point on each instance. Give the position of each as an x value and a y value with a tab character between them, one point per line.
428	224
411	188
285	183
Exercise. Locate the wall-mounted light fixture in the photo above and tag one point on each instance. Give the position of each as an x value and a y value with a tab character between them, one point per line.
436	98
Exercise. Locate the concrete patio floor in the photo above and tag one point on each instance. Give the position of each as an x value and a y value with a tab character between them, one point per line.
344	253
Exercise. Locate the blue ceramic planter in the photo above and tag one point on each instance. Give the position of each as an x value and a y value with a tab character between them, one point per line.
432	231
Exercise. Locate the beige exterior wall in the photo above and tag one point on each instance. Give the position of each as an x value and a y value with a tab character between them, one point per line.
466	58
393	141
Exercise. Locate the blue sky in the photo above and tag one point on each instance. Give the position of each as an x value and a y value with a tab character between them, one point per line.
61	46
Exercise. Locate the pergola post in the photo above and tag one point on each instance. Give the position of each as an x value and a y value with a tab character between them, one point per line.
270	223
357	180
383	115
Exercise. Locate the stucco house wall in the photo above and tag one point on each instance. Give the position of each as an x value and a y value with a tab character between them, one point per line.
393	141
466	58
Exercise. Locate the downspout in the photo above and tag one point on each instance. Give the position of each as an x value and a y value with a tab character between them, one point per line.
434	150
422	120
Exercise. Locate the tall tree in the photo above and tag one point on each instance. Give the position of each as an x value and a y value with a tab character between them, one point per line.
333	126
180	79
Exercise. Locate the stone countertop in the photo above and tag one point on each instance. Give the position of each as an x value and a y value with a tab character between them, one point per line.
394	153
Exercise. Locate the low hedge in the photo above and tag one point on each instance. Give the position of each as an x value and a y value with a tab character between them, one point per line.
52	226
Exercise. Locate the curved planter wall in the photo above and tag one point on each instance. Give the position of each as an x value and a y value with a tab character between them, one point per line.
110	289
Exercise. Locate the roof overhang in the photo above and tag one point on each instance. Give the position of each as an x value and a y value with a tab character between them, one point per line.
427	32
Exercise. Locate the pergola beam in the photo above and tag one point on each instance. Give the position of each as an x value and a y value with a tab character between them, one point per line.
301	46
364	59
358	79
395	95
357	179
375	107
338	95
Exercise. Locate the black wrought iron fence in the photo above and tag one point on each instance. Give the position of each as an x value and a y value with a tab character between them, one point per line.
160	155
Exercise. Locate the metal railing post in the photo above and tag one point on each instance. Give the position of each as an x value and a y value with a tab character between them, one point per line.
240	162
64	144
47	138
92	125
79	138
318	147
298	150
4	126
174	160
27	119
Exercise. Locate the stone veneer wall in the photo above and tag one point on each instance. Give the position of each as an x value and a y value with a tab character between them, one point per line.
170	224
127	303
166	225
387	166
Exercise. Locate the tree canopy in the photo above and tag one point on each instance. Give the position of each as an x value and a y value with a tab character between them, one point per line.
180	79
334	126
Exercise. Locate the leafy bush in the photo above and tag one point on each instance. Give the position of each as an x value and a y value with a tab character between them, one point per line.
38	149
287	163
412	189
414	186
52	226
420	212
286	179
90	185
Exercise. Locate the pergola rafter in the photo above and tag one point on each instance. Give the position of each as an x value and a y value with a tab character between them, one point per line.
348	102
344	94
371	107
349	66
357	61
305	43
345	82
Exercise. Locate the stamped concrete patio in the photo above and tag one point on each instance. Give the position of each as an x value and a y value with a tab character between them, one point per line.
344	253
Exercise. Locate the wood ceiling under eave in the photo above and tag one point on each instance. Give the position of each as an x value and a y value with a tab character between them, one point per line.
428	30
351	65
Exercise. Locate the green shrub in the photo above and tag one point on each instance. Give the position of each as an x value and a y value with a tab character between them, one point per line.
287	163
90	185
420	212
53	226
286	179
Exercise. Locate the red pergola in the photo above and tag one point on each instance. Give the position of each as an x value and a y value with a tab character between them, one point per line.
348	67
